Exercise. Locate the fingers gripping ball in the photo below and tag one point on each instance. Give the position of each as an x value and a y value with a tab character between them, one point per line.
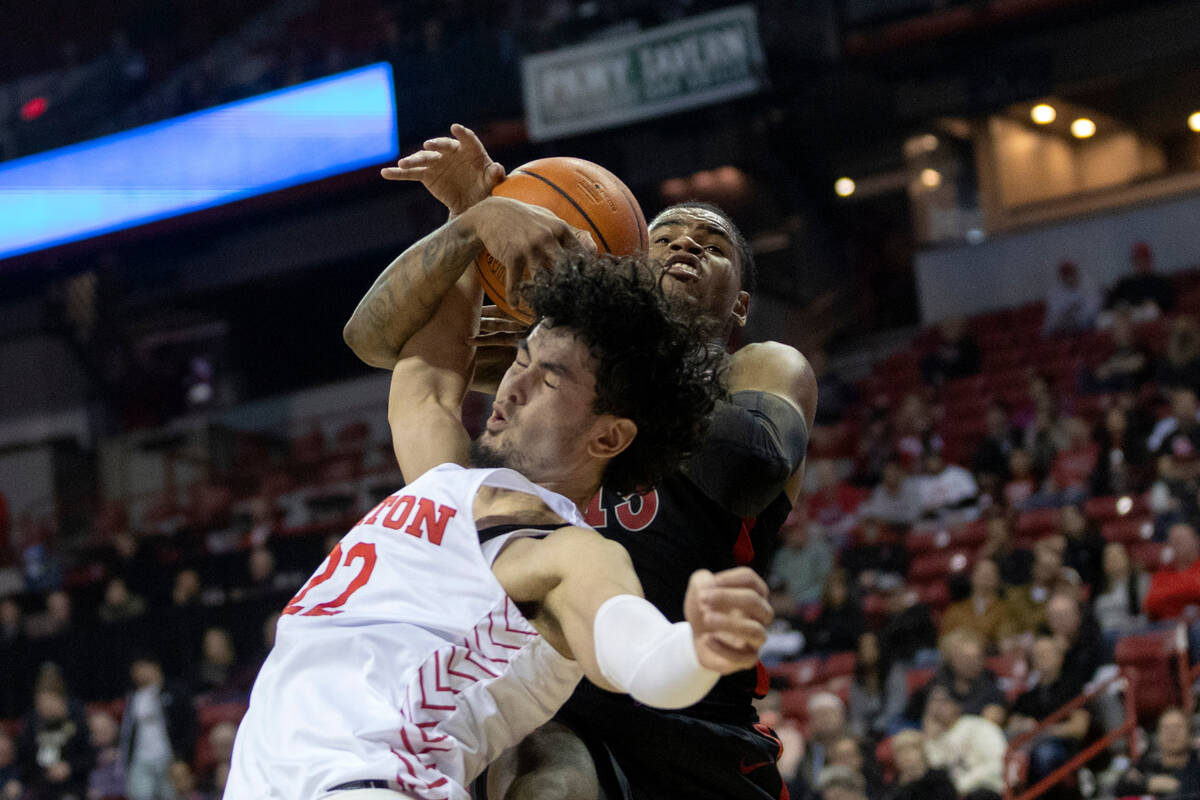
580	193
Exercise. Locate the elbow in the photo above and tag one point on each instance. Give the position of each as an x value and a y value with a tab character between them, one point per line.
368	348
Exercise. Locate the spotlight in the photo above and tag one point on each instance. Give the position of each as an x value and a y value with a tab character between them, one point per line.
1083	128
931	178
1043	114
1194	121
844	187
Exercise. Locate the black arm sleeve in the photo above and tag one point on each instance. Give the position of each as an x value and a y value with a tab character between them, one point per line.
754	444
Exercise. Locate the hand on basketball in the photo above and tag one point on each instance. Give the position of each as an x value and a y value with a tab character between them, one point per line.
729	614
525	237
456	169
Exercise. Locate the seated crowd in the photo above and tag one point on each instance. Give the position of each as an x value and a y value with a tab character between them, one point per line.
970	556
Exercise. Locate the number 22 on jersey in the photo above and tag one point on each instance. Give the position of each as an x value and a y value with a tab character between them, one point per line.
364	551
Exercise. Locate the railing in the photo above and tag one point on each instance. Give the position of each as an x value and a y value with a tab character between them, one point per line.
1014	756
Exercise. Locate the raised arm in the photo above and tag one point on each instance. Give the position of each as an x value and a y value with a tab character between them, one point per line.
591	608
757	439
406	295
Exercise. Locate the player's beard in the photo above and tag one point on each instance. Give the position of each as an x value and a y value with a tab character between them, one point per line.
483	456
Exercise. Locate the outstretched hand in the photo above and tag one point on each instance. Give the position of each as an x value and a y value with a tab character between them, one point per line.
729	615
456	169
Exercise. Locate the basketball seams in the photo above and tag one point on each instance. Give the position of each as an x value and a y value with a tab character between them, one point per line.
571	200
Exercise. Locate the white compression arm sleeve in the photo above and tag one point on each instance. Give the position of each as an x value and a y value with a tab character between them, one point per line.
641	653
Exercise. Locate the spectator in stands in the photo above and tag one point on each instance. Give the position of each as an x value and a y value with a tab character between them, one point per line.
833	503
837	395
14	652
915	438
1073	464
1118	608
908	632
10	786
1176	588
826	724
876	697
895	500
1073	304
1145	294
1183	421
984	613
1121	459
873	554
183	781
220	744
158	727
55	621
1172	769
1079	636
874	449
1181	367
914	778
1127	367
107	778
840	622
1021	483
802	565
218	662
1054	689
954	353
1000	439
850	752
119	603
969	747
840	783
948	492
964	673
53	753
1084	551
1027	603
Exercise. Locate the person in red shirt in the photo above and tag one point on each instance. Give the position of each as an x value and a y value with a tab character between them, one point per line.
1177	587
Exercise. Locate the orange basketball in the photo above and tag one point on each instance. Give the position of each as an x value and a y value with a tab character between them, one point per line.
580	193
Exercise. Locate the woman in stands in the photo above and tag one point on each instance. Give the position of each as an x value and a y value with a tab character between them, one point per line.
1119	608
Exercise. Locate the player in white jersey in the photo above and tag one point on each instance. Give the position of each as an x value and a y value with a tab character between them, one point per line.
459	614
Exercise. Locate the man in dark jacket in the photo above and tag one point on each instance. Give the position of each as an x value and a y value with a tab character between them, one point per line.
53	755
159	727
1172	771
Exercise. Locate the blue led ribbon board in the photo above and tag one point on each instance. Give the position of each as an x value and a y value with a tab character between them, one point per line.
246	148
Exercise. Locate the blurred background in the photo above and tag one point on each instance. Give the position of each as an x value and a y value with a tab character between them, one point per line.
977	218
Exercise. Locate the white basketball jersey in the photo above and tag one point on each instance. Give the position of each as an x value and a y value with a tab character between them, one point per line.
402	658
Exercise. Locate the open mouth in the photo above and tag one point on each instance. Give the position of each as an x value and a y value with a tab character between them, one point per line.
682	272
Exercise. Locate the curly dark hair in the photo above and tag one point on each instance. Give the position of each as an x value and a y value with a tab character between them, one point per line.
747	269
652	366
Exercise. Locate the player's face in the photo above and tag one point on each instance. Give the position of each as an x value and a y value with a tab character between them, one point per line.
542	423
699	259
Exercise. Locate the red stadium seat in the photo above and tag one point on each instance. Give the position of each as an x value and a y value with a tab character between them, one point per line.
1149	658
971	535
918	543
938	565
838	664
1104	509
1149	555
1128	530
210	714
1037	522
936	595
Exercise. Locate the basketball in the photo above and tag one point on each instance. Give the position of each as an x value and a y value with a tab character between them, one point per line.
580	193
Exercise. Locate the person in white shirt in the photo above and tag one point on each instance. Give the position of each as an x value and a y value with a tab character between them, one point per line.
947	492
967	746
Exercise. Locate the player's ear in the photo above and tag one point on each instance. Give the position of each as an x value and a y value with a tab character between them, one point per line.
611	435
741	309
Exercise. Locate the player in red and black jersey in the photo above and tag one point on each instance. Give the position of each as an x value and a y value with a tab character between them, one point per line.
723	509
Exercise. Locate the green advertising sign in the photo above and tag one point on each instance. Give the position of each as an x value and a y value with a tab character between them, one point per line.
683	65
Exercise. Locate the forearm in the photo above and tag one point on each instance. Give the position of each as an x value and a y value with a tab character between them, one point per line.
406	295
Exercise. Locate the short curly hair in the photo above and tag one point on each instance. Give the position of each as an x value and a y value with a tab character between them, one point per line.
652	365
